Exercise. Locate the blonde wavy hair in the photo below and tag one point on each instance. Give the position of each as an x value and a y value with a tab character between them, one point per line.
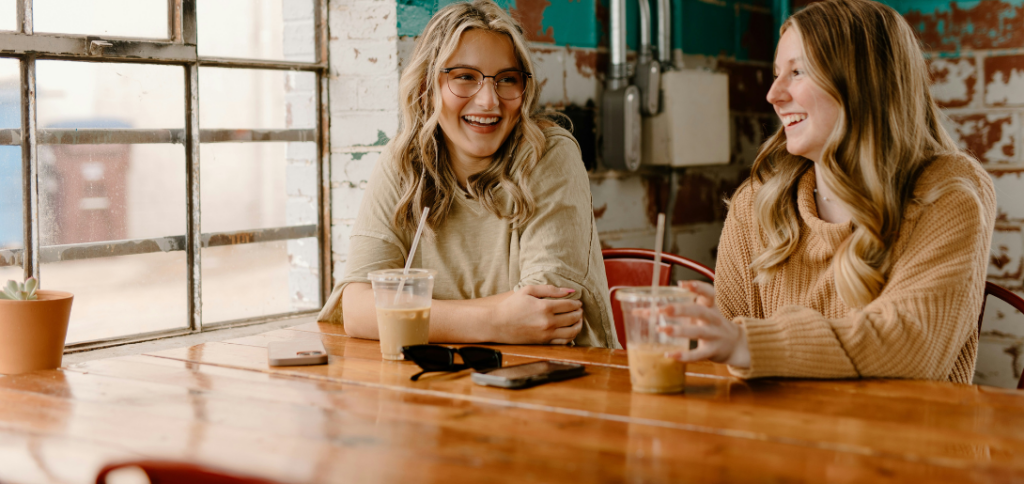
424	165
866	57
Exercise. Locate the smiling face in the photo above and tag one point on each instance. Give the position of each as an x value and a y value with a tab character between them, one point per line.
475	127
808	113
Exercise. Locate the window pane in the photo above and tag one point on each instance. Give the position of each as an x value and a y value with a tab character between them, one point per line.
105	95
8	15
117	296
256	99
249	186
113	18
92	193
256	29
11	273
249	280
10	157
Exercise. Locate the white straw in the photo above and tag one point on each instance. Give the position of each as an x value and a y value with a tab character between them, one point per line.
658	242
412	250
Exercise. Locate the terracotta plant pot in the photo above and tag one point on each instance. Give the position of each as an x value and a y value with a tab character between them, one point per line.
32	332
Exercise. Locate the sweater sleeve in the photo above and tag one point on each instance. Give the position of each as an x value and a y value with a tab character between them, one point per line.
556	244
917	325
735	294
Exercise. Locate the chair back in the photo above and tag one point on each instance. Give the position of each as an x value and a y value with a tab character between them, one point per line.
995	290
635	267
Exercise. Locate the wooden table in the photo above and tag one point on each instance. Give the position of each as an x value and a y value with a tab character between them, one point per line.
360	419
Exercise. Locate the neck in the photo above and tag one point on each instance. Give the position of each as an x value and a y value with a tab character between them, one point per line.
465	168
829	207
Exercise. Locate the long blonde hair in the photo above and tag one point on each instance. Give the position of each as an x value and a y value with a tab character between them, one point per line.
426	175
865	56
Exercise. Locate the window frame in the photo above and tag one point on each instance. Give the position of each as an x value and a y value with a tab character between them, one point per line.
180	49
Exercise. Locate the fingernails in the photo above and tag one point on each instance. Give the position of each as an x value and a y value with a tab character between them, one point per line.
569	291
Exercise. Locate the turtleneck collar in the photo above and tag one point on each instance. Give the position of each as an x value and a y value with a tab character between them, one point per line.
829	234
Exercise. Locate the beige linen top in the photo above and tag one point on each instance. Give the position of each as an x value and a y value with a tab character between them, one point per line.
924	323
477	254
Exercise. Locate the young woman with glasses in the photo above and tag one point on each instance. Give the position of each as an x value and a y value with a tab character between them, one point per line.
511	230
859	245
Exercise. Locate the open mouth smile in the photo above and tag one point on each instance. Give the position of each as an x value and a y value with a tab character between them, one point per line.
790	120
481	121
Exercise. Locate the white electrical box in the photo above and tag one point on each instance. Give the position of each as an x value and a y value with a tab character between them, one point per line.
693	127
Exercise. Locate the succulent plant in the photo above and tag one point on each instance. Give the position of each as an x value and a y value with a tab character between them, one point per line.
22	292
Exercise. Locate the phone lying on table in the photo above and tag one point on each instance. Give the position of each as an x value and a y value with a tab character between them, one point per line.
528	374
296	353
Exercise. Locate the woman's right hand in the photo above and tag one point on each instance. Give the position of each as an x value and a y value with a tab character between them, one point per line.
525	317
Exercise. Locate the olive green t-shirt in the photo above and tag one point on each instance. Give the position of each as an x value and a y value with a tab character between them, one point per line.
477	254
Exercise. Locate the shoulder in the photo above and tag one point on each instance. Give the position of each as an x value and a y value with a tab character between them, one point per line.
562	159
947	168
955	182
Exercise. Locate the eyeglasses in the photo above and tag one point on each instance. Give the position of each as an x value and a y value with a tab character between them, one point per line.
442	358
466	82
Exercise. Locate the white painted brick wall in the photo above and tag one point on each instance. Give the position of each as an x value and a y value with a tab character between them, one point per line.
363	105
301	164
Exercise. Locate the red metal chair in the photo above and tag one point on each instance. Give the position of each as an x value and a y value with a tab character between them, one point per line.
634	267
1010	298
170	472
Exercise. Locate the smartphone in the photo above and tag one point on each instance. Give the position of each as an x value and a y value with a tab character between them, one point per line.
528	374
295	353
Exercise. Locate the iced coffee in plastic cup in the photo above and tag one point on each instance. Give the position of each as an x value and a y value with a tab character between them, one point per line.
403	308
644	310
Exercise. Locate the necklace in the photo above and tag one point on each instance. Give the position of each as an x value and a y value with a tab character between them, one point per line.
823	196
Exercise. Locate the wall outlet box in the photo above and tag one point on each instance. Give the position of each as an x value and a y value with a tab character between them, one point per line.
693	127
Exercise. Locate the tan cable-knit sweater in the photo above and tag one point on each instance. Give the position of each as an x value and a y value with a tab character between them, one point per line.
922	325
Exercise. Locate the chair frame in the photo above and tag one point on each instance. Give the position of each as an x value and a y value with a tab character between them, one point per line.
993	289
645	255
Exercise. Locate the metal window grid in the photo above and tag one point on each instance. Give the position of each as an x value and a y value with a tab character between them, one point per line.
181	50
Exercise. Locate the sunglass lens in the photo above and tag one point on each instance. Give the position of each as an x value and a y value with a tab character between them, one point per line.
480	358
430	357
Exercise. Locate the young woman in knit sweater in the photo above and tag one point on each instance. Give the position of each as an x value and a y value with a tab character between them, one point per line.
859	245
511	225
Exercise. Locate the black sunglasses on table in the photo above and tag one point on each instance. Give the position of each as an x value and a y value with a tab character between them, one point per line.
433	358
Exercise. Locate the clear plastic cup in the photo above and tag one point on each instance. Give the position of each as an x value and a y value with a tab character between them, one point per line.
403	318
644	310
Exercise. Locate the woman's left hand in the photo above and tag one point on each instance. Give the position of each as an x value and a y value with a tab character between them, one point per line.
720	340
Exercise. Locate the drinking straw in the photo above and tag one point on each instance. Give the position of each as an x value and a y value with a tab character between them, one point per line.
412	250
658	242
657	269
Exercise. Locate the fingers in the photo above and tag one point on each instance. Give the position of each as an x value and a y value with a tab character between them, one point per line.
546	290
559	306
705	292
700	354
564	335
703	313
567	319
689	331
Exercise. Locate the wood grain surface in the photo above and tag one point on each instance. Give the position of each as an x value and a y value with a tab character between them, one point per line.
360	419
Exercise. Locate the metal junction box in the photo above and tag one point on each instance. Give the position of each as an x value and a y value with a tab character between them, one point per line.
693	127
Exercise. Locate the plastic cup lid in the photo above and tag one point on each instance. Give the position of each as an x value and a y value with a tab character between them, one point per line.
398	274
660	293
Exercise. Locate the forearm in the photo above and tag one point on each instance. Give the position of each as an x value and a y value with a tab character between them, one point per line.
463	321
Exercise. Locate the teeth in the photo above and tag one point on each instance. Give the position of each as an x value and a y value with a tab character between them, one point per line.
481	119
793	118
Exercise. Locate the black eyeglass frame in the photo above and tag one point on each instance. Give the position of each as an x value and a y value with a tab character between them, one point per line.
479	85
490	358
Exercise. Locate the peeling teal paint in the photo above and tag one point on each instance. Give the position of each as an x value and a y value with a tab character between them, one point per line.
573	22
382	139
359	155
706	27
